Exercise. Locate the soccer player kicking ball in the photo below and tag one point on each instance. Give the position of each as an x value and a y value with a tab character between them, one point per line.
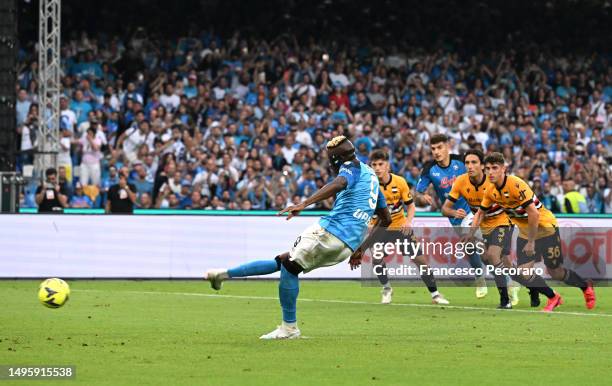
538	233
399	201
495	227
441	172
335	237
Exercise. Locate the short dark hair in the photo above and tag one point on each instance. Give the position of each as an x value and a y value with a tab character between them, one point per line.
50	172
475	152
379	154
438	138
495	158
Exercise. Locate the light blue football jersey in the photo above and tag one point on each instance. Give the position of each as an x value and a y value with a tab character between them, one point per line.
442	180
355	205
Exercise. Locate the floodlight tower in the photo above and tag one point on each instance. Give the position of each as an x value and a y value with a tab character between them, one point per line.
49	26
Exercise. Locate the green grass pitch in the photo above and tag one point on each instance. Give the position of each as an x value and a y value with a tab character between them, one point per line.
182	333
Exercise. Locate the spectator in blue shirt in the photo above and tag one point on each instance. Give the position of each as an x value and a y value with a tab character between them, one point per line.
594	199
185	193
191	90
140	181
307	184
89	67
80	107
362	152
80	200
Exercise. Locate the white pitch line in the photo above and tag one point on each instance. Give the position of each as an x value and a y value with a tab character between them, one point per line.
357	302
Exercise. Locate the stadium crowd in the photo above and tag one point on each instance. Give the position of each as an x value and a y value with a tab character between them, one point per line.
203	122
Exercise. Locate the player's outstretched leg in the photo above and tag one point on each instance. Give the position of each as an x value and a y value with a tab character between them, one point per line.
381	272
481	284
534	294
513	291
513	286
430	281
436	297
537	282
288	290
501	282
493	257
253	268
571	278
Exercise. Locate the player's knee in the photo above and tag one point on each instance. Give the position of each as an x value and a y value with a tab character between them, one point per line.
557	273
527	277
420	260
506	259
486	257
280	258
291	266
492	258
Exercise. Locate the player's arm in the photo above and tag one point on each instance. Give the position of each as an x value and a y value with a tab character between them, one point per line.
478	217
384	220
423	199
477	220
409	206
525	195
329	190
410	211
453	196
533	219
420	197
449	211
485	205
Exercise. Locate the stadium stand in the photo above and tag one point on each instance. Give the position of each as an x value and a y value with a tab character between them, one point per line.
237	120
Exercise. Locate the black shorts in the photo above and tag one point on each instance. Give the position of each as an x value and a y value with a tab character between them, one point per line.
547	248
501	237
391	236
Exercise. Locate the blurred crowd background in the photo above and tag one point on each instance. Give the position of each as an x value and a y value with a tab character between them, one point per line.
223	105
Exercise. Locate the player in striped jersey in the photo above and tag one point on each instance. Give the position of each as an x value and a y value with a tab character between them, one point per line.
495	227
399	201
538	233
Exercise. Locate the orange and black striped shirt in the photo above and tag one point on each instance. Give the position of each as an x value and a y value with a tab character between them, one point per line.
514	196
397	194
473	194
